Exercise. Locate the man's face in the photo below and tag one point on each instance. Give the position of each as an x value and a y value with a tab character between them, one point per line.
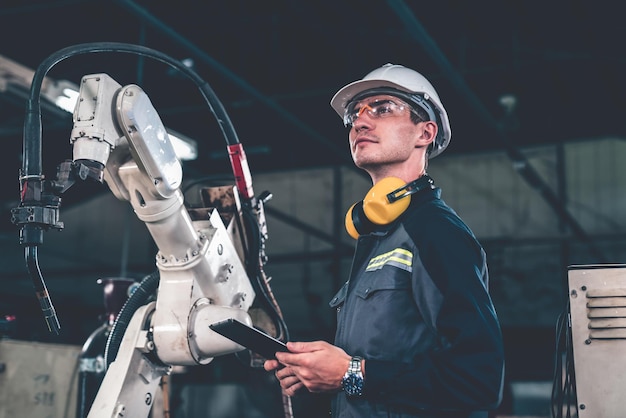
382	132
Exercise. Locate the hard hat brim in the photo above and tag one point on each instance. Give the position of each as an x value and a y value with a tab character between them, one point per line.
341	99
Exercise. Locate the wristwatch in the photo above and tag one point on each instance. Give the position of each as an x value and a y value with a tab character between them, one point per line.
352	382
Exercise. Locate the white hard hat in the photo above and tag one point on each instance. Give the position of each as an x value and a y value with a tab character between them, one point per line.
404	80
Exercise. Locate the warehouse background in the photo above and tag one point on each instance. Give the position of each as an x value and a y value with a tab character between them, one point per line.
535	96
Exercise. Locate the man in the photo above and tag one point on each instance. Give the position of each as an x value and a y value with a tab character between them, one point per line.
417	333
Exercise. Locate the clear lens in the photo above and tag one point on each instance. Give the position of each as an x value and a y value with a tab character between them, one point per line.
376	109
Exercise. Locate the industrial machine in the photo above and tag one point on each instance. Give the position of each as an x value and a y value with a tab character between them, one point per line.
210	261
597	299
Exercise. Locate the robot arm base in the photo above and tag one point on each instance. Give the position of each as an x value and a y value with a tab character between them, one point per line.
131	381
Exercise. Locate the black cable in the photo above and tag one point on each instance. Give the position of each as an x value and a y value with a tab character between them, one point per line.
563	380
557	378
32	132
32	125
257	275
31	176
140	296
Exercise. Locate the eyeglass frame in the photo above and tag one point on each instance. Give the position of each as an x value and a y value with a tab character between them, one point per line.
352	113
415	100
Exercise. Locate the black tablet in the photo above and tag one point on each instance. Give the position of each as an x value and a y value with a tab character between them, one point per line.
249	337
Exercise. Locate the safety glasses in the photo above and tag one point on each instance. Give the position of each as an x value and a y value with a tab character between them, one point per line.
376	109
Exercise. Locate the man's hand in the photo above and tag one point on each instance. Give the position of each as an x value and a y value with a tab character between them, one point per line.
318	366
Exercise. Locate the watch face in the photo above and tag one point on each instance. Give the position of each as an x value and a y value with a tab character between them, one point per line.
353	384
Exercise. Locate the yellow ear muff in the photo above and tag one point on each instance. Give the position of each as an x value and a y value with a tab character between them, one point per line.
350	227
383	204
376	206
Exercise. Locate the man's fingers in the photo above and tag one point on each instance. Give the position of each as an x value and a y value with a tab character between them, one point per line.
291	386
271	365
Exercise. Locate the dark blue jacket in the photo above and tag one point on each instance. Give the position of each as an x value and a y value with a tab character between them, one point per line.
417	308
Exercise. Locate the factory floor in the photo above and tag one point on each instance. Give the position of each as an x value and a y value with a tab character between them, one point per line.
40	376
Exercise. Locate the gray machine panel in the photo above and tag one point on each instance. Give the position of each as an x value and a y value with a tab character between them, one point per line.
597	295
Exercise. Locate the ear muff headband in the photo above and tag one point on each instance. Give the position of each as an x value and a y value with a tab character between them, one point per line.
382	207
424	182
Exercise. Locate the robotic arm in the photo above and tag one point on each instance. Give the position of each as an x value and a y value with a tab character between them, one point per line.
208	270
202	277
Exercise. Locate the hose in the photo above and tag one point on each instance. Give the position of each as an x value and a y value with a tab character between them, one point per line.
140	296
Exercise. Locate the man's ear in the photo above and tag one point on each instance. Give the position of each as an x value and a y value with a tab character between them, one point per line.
428	133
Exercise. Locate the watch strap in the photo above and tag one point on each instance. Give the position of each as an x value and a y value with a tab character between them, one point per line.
355	365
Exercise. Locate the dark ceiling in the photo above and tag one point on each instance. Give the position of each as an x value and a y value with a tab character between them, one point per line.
276	64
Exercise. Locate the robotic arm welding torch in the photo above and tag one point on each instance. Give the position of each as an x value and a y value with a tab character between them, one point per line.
49	313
